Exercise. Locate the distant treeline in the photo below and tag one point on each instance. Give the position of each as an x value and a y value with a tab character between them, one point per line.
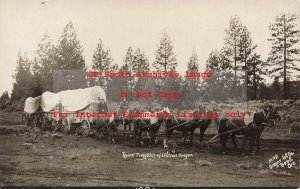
235	67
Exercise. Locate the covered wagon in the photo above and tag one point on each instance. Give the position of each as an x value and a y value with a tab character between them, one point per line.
76	103
64	109
32	112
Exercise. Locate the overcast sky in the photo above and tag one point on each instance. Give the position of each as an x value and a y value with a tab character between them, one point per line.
191	24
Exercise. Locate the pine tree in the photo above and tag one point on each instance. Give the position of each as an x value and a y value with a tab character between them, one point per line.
23	78
4	99
193	64
191	84
37	89
45	57
246	50
115	85
101	61
255	71
140	64
69	50
165	59
276	88
135	61
232	42
128	60
285	48
218	87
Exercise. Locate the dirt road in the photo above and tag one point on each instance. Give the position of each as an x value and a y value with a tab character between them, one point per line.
52	159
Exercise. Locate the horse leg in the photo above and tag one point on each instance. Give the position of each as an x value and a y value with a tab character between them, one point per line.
167	137
135	136
129	125
125	125
257	143
223	140
252	139
109	136
151	138
114	138
233	140
192	136
140	137
244	141
202	131
184	134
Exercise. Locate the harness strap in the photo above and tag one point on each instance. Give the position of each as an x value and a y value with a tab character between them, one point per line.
238	128
175	126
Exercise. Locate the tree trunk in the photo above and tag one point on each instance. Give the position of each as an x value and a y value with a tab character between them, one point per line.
285	92
234	65
254	81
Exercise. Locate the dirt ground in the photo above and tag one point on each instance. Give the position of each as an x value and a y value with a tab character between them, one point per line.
37	158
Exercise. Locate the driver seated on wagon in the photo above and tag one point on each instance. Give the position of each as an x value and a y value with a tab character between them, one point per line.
102	106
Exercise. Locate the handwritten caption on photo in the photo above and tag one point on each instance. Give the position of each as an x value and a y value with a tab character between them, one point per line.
148	155
285	160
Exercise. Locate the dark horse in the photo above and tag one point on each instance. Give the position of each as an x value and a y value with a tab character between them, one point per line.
184	125
204	123
187	126
225	126
251	131
255	129
150	125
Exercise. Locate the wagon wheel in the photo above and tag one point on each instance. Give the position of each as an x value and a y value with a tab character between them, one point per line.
85	128
30	121
42	121
35	121
65	125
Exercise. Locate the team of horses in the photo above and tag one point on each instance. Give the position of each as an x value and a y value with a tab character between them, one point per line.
227	128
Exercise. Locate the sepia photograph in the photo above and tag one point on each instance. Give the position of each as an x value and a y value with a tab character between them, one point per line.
150	94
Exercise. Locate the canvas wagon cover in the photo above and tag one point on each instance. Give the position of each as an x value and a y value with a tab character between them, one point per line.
31	104
49	101
78	99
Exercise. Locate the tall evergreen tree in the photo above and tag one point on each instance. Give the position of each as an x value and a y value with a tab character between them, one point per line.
4	99
45	58
193	64
37	88
23	78
191	85
285	48
246	50
129	60
255	71
232	42
116	85
276	88
218	87
140	64
69	50
101	61
165	58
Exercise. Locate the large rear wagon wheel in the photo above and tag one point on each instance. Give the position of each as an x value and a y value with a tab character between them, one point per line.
85	128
